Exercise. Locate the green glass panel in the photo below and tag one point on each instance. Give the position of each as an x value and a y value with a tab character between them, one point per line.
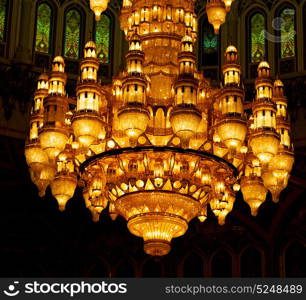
210	40
258	47
102	37
2	19
72	34
288	33
43	28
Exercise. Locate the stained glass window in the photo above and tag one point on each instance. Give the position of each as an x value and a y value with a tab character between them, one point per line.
102	37
287	31
2	19
43	28
72	34
210	45
258	41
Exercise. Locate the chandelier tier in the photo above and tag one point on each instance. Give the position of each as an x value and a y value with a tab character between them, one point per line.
159	145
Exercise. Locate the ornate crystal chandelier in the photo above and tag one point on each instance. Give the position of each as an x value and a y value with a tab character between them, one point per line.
159	145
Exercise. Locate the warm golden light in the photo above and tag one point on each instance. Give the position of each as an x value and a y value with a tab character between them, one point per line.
98	7
216	13
228	4
159	145
254	192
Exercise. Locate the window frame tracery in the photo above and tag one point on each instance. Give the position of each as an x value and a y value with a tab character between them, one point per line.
52	32
81	30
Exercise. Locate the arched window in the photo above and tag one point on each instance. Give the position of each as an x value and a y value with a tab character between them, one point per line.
125	270
285	36
210	45
3	16
103	38
43	28
295	260
193	266
72	37
98	270
250	263
221	264
208	49
287	32
152	268
257	38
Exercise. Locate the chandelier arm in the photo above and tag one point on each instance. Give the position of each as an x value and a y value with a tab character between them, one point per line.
116	152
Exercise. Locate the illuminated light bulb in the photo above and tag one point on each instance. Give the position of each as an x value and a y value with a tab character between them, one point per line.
98	7
216	13
244	149
236	187
112	212
203	214
206	179
228	4
254	192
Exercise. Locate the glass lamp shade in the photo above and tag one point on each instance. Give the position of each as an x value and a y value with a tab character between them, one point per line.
216	14
53	141
185	121
98	7
282	164
254	192
274	184
264	145
157	217
232	132
133	120
35	156
62	188
42	177
87	128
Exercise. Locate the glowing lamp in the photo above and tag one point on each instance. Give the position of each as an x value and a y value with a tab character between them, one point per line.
157	217
232	132
216	13
185	121
228	4
42	177
88	128
265	145
62	188
274	184
98	7
35	156
254	192
53	141
133	120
